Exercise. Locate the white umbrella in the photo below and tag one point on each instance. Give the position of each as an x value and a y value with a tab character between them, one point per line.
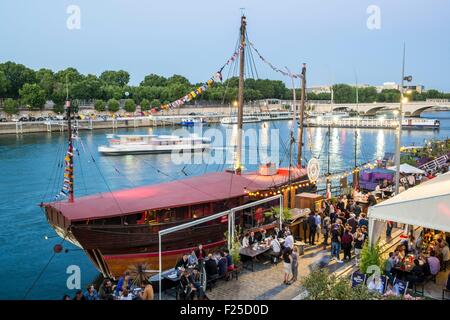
407	168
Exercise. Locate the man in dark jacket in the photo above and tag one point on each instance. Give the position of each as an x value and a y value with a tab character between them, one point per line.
210	267
312	228
352	222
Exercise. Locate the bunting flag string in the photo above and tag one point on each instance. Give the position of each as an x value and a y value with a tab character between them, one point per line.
207	85
68	174
284	73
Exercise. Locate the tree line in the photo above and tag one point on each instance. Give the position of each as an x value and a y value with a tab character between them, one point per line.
23	86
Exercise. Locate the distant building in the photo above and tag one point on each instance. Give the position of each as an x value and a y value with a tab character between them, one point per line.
395	86
319	89
417	88
387	86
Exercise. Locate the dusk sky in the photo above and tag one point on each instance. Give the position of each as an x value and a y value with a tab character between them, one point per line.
194	38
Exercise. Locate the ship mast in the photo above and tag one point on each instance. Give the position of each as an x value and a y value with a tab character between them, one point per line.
300	122
238	163
70	149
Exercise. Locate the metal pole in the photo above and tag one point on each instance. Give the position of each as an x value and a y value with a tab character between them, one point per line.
300	123
399	130
281	210
238	164
160	264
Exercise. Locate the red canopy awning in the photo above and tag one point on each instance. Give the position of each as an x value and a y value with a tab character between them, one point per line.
210	187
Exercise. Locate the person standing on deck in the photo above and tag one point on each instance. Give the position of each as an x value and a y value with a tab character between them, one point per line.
318	224
287	264
294	265
326	231
312	228
389	227
336	241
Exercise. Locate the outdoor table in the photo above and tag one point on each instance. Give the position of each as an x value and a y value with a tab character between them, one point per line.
407	266
253	253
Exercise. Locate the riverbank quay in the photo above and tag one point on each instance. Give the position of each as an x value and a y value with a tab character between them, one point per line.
93	120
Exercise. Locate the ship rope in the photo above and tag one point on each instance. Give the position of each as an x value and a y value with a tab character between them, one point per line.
41	273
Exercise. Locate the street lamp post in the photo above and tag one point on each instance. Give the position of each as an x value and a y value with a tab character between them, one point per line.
399	128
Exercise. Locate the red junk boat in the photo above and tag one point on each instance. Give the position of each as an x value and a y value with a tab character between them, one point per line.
120	228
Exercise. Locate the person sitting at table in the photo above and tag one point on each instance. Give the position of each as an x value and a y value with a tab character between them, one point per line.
210	267
277	233
251	239
435	265
230	264
200	253
105	289
245	241
195	280
91	293
389	266
147	292
275	250
183	263
286	230
186	286
416	275
125	295
371	200
262	235
378	192
124	282
222	265
192	259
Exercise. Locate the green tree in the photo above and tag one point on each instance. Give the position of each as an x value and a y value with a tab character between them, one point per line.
113	105
70	74
111	92
153	80
371	256
17	75
33	96
343	93
367	95
434	94
88	88
58	108
4	84
156	103
100	105
390	95
177	79
145	105
129	105
46	80
118	78
11	106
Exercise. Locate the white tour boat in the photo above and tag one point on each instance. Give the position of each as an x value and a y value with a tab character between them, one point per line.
365	122
138	144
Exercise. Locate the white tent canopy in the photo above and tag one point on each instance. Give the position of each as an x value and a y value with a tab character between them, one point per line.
407	168
426	205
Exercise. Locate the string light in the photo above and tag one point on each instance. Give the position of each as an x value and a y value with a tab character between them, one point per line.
303	184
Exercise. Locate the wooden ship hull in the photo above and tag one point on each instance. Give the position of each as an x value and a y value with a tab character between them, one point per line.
120	229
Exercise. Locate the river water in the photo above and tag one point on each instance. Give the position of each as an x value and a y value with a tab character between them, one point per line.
30	174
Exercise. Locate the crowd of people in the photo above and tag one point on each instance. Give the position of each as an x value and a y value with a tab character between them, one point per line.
343	224
421	259
217	265
123	290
